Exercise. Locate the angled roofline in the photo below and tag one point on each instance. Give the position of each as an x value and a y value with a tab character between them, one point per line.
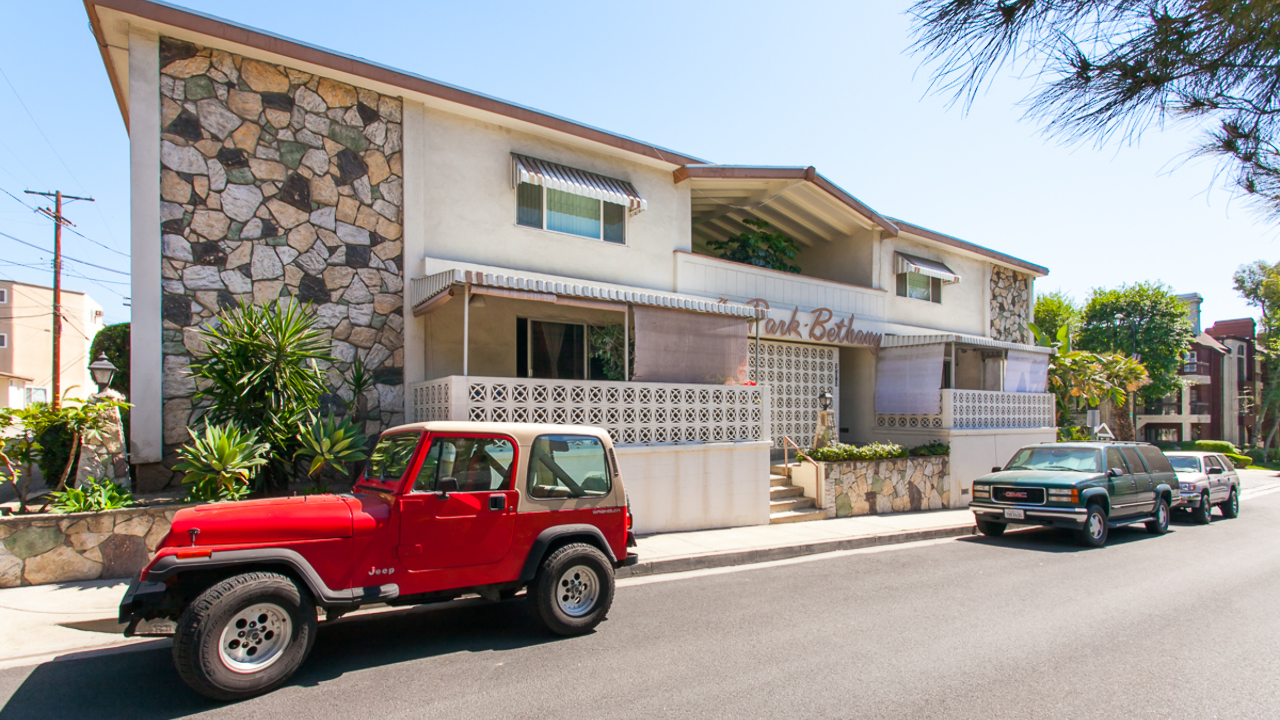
956	242
768	172
202	24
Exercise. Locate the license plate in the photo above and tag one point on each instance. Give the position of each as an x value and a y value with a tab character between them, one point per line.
1011	514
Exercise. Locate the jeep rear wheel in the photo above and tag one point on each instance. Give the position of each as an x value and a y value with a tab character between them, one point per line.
1203	513
244	636
573	589
1094	532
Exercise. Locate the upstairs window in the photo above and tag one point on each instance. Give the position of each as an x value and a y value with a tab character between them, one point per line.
922	279
4	295
562	199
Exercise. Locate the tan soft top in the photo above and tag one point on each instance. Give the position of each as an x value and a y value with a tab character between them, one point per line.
524	433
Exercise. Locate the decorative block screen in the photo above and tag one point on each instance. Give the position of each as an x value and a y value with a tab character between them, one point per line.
796	374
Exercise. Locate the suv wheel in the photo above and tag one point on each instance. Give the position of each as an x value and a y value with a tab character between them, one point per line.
1159	524
1204	513
1094	532
1231	508
991	529
573	590
244	636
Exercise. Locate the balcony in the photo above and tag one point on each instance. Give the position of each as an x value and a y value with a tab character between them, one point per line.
634	413
979	410
1194	368
713	277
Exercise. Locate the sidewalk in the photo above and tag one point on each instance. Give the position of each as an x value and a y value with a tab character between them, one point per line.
44	622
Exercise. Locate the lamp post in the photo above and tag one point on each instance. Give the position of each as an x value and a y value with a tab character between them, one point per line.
826	421
102	370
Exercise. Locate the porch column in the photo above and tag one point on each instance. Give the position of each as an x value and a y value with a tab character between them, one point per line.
146	354
626	344
466	328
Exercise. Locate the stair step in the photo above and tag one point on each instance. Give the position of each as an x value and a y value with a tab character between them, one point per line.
789	504
797	516
779	492
779	480
782	469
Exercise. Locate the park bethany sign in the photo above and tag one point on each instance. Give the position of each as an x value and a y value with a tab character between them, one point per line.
819	325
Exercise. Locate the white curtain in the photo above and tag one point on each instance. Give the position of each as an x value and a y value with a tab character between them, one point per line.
909	380
690	347
1026	372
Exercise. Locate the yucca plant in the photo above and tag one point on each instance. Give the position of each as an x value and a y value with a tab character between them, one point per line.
93	496
220	462
330	441
260	372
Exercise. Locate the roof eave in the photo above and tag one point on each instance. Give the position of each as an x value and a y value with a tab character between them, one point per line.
999	257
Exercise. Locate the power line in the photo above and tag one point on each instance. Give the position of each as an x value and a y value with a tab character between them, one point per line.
73	230
65	257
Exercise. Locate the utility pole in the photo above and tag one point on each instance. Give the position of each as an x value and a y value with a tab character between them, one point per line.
58	222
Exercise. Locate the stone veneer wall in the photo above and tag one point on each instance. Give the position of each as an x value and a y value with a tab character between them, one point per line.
1010	305
871	487
277	183
40	549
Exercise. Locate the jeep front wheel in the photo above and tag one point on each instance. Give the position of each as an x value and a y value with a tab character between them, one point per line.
244	636
573	589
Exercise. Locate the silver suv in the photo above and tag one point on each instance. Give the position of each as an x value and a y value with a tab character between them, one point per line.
1206	479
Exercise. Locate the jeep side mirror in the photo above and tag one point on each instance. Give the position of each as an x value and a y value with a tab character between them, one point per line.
447	485
1215	471
997	468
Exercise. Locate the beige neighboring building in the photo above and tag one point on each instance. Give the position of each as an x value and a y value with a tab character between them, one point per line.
26	342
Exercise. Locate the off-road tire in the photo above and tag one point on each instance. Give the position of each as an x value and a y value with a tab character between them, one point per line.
197	639
1159	525
1092	536
548	591
1203	514
1231	506
991	529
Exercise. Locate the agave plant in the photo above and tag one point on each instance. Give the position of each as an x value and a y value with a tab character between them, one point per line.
220	462
93	496
330	441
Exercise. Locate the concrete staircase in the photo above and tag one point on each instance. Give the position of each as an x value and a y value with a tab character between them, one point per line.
787	503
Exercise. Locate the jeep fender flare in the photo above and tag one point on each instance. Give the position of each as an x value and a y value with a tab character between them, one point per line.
584	532
1099	495
171	565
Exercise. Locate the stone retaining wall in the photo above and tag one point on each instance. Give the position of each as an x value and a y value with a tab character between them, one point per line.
871	487
41	549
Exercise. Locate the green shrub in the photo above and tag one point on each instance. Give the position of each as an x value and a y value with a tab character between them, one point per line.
93	496
840	452
220	463
1215	446
1257	455
332	442
1074	433
1240	461
937	447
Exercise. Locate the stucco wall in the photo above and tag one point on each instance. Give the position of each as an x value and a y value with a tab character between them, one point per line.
697	486
846	260
469	207
964	304
276	184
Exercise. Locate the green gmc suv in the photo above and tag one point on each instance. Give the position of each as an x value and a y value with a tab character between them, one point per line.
1087	487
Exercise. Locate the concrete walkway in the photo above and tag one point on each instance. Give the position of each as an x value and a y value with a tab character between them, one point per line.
46	622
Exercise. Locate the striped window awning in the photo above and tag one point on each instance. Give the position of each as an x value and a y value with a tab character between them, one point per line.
928	268
525	169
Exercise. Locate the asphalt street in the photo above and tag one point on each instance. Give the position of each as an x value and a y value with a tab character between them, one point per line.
1186	625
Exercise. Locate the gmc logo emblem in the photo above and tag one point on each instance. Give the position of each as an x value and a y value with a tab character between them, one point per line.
1015	494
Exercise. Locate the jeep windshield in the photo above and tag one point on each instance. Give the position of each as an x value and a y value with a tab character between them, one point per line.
390	460
1086	460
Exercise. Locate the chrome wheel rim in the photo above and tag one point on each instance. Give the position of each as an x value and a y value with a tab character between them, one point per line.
255	638
1205	507
577	591
1162	516
1096	524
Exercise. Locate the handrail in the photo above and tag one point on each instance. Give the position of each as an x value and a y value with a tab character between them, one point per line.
785	462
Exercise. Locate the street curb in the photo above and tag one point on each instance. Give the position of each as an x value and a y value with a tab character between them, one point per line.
749	557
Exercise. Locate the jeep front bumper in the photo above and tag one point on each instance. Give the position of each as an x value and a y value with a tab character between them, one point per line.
1070	518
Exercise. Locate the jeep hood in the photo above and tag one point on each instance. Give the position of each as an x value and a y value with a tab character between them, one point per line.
1038	478
311	517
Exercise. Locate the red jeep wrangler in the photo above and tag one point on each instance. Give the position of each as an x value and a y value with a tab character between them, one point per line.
442	510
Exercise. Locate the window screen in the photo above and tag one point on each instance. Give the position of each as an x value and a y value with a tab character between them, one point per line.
477	464
529	205
919	287
568	466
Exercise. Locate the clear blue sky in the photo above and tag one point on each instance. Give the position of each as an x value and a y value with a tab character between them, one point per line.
828	84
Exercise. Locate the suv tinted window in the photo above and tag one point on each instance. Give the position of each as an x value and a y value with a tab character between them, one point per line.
1211	461
391	457
1226	463
1115	462
1136	464
1156	461
478	464
563	466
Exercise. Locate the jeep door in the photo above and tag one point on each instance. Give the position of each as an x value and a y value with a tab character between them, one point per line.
1144	486
460	509
1121	487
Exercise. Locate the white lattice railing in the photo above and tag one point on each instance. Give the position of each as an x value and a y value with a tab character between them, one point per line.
980	409
634	413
